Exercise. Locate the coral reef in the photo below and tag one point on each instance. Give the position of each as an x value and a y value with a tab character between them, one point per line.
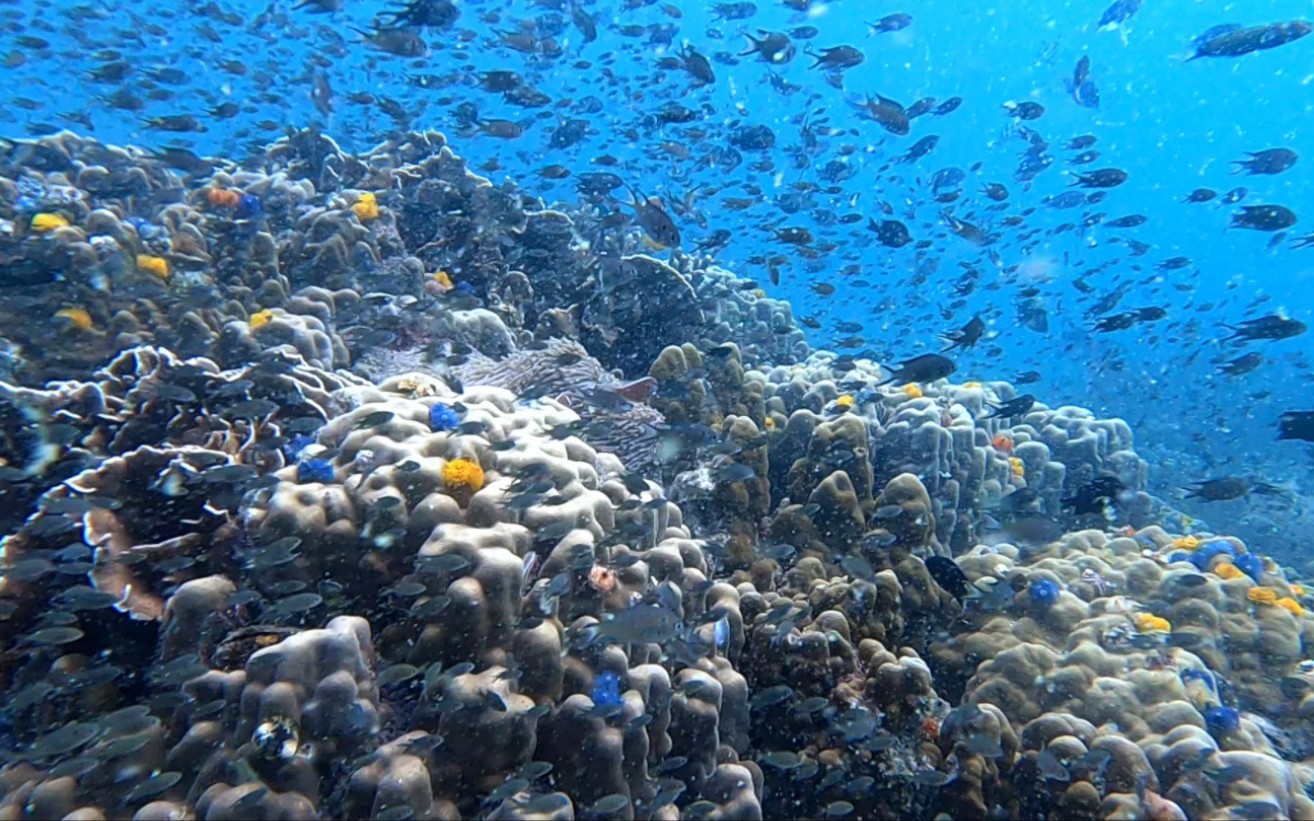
361	487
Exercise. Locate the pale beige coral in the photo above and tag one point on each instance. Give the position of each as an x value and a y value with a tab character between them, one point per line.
1076	662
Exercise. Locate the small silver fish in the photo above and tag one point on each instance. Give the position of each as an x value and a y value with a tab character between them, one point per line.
642	623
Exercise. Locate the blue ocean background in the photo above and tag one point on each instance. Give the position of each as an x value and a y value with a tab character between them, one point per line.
1172	125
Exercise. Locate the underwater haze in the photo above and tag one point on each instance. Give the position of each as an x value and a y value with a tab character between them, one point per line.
626	409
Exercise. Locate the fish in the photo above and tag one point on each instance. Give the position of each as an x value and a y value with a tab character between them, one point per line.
887	113
733	472
858	567
1270	327
697	65
733	11
1127	319
1241	365
652	217
1026	110
771	696
947	107
1103	178
890	233
1269	161
1018	406
422	14
1082	88
836	58
177	123
1130	221
889	23
1220	489
966	230
931	778
1096	496
1119	12
1232	40
925	368
641	623
949	576
1296	425
770	47
1051	768
1263	218
966	336
925	105
1034	529
781	759
919	149
400	41
502	128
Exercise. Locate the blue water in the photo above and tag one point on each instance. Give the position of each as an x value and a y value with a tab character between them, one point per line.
1172	125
